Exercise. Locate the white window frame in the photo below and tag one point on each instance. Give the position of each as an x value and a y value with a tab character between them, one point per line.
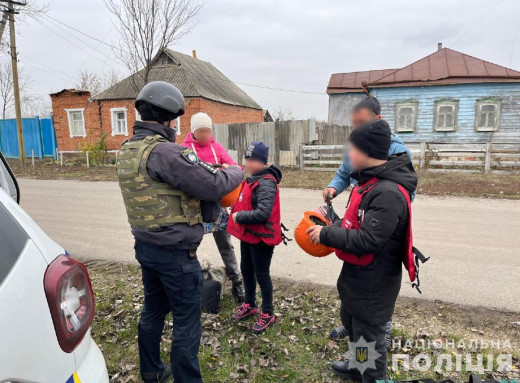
178	125
113	115
478	110
406	104
438	106
69	119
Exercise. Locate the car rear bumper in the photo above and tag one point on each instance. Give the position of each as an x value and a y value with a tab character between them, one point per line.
92	368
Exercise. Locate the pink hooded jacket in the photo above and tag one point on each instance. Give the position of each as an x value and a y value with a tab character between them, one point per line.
213	152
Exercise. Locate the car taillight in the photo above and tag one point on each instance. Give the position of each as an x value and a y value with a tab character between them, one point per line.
71	300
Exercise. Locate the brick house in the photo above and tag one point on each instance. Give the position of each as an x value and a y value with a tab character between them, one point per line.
80	118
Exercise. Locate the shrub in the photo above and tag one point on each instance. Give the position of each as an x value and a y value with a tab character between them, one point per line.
98	151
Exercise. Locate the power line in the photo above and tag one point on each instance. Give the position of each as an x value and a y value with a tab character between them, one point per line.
79	47
85	34
198	74
51	71
478	21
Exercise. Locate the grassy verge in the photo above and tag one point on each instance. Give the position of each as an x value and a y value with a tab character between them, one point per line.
439	184
297	348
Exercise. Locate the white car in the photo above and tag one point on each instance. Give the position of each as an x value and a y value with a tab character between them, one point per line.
46	302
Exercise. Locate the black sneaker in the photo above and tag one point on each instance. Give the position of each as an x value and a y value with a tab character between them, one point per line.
263	322
338	333
244	311
343	370
238	292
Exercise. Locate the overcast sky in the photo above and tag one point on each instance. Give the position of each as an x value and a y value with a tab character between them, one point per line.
290	44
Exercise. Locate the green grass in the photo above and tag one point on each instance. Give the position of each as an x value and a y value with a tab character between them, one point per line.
296	349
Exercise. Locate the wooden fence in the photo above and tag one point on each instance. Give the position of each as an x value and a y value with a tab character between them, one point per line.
482	157
282	137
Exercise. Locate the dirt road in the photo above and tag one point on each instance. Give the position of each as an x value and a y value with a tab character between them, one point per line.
474	244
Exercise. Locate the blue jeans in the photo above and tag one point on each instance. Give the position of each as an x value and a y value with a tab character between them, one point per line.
172	283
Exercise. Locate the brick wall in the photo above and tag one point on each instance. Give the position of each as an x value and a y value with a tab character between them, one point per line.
73	100
219	113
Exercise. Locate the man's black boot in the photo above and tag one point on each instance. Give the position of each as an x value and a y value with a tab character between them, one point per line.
343	370
167	374
238	292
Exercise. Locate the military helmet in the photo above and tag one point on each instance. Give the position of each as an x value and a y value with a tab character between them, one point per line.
162	95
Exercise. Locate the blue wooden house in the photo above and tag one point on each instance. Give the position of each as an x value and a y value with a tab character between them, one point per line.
447	96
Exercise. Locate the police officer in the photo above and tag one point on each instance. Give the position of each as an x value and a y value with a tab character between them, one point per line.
168	192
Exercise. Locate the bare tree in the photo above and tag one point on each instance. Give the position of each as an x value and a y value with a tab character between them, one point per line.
6	87
36	105
283	114
95	82
147	27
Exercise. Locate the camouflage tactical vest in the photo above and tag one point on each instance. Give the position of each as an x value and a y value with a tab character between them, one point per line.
151	204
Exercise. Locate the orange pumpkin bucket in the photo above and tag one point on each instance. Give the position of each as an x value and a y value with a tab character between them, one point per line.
229	199
311	218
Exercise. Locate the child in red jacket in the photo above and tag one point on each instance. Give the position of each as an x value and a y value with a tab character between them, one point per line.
255	220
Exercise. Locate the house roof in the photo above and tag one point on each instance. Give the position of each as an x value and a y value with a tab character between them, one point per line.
78	91
445	66
193	77
353	82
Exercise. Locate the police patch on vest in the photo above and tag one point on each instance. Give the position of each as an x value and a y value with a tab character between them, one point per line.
189	156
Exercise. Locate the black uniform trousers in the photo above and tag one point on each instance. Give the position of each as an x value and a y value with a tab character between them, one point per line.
368	296
172	283
372	332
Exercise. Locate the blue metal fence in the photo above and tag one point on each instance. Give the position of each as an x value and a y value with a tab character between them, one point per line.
39	136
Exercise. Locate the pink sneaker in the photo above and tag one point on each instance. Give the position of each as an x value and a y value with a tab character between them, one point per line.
263	322
244	311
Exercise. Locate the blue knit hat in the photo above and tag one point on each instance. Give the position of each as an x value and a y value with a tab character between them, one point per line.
257	150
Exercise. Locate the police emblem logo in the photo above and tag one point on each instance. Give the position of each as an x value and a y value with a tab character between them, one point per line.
189	156
361	354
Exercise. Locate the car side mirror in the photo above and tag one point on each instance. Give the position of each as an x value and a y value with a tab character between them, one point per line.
7	180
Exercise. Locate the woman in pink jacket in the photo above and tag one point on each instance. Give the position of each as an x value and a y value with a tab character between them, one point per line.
202	142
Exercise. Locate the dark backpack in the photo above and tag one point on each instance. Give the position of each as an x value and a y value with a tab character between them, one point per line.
211	293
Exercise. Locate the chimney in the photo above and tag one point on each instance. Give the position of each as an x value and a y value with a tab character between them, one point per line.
439	46
194	53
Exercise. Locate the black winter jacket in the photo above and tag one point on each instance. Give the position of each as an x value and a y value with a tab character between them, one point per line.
371	290
263	196
166	164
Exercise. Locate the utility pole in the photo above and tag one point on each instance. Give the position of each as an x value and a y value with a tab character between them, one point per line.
16	87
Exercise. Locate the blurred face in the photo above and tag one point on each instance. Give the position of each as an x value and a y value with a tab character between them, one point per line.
253	166
203	135
358	159
173	124
361	116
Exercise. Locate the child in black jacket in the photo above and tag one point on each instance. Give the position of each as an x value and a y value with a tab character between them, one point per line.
372	241
255	220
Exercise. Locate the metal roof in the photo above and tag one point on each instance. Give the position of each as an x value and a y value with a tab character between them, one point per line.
445	66
193	77
353	82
